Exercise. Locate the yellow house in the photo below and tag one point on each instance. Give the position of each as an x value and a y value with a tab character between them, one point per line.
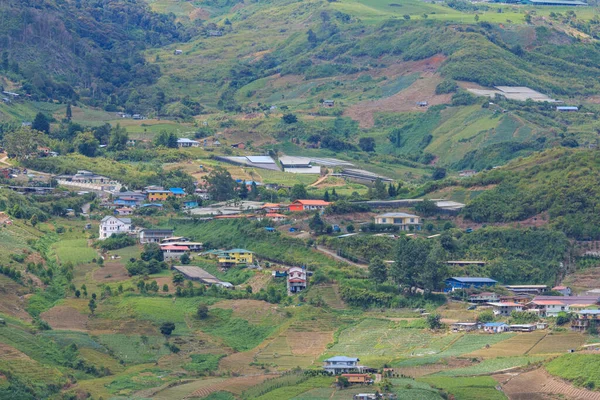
235	257
403	220
158	195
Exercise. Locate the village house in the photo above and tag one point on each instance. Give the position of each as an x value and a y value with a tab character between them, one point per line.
233	257
239	145
567	109
465	326
584	318
495	327
341	364
273	207
505	309
154	235
328	103
175	239
177	192
564	290
190	204
527	289
467	173
83	176
466	282
547	308
484	297
296	279
523	327
308	205
124	211
172	251
158	195
136	197
361	379
178	52
275	217
464	263
181	241
405	221
111	225
5	219
185	142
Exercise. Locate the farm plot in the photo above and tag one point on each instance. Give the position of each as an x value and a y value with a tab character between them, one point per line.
65	317
75	251
379	341
515	346
463	345
234	385
330	294
473	388
135	349
558	343
490	366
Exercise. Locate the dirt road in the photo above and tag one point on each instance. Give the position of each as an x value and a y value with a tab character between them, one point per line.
334	255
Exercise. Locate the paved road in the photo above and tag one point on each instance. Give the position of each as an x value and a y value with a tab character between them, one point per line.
334	255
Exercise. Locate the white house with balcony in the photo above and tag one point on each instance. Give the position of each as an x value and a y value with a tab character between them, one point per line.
111	225
341	365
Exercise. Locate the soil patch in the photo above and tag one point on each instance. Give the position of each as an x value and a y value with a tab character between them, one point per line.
111	272
12	300
308	343
423	89
65	317
254	311
538	384
10	353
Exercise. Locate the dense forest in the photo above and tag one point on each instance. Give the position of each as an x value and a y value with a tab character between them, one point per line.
84	49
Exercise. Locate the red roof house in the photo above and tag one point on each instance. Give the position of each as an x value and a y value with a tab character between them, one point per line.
306	205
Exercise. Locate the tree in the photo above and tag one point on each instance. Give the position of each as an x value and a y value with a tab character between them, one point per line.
33	220
289	118
342	382
486	316
435	269
69	113
326	195
367	144
152	251
202	311
77	293
379	189
298	192
410	259
438	173
312	38
41	123
185	258
434	321
243	191
221	185
87	144
118	139
377	270
178	279
165	288
350	228
392	190
426	207
167	328
334	195
316	223
22	143
92	305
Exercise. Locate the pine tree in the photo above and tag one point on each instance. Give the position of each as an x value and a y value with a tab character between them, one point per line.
69	113
326	195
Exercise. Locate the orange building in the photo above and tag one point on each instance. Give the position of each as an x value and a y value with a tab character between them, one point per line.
358	378
307	205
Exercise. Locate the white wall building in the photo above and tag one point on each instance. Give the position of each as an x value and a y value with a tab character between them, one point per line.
111	225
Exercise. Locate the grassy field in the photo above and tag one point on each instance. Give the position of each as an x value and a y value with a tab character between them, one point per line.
74	251
491	365
473	388
581	369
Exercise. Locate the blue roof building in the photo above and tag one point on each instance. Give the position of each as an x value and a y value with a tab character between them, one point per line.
177	191
466	282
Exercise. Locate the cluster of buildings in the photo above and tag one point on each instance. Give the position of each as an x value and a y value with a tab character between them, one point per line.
126	202
528	298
